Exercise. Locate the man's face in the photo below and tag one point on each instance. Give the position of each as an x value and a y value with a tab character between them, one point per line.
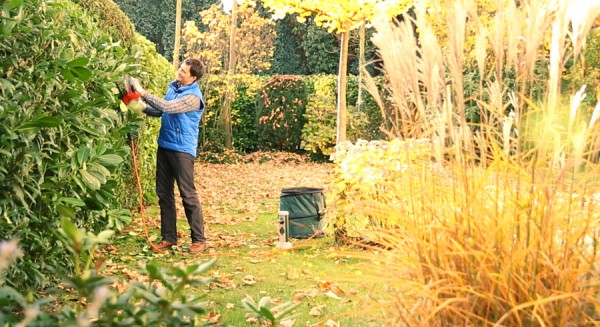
183	75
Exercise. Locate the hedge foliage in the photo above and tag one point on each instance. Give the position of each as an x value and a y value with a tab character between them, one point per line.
363	175
316	133
64	146
280	118
243	111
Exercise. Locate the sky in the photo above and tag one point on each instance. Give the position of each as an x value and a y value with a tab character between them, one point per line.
227	5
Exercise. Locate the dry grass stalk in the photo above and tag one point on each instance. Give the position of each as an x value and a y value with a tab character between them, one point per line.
512	242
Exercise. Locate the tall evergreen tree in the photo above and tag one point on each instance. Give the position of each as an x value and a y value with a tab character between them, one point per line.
156	19
321	49
289	57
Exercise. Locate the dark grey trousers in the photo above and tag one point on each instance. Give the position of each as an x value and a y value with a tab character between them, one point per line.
171	167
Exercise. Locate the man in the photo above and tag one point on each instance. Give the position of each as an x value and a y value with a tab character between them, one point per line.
180	112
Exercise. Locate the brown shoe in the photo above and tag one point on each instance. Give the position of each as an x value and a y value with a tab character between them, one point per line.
198	248
163	246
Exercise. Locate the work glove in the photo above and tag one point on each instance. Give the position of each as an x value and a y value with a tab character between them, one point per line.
137	105
135	85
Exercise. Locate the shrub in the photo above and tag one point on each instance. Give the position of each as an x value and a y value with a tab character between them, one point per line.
280	116
319	132
362	176
159	302
110	18
155	73
243	112
367	119
62	140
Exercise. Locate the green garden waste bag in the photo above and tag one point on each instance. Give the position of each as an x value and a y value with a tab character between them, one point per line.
306	206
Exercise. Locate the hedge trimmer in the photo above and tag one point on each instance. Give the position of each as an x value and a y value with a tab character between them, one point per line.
131	100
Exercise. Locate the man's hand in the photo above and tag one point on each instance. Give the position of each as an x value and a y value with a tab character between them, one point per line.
135	85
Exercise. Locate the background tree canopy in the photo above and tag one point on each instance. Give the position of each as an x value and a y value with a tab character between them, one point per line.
300	48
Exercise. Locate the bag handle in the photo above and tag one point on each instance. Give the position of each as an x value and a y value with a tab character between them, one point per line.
320	203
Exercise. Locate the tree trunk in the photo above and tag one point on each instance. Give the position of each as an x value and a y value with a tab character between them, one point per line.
342	84
361	63
230	72
177	47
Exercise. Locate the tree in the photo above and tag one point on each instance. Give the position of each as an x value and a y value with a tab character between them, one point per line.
155	19
288	57
177	45
230	72
241	42
254	40
339	16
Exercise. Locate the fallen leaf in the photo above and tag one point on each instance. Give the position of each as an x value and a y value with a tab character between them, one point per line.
213	317
323	284
251	319
248	280
337	290
287	323
230	306
317	311
300	294
331	323
333	295
293	274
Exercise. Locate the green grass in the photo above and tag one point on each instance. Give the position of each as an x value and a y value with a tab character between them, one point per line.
300	275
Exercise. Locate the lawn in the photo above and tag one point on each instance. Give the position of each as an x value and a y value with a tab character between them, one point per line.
240	204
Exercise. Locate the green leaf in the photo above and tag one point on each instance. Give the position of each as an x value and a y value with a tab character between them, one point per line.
89	180
67	75
249	304
264	302
41	123
73	202
89	130
82	155
203	267
73	234
7	86
110	160
65	211
99	176
9	292
12	4
105	236
79	62
82	73
19	193
265	312
175	271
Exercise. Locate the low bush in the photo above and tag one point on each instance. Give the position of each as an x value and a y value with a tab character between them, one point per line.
162	301
280	116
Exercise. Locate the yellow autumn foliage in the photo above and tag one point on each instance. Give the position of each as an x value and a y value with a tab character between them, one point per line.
341	15
254	39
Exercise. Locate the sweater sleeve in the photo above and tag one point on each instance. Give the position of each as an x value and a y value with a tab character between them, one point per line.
186	103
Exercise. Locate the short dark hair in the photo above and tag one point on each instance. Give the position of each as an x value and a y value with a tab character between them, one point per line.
197	68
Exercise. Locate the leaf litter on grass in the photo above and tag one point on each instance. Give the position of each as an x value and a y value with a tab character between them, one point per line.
233	196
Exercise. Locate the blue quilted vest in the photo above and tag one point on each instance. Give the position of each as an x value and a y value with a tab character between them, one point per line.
179	132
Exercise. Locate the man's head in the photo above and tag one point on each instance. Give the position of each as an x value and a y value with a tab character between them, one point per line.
190	71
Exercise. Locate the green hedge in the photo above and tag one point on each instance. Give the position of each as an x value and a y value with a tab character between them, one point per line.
63	143
280	115
306	120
